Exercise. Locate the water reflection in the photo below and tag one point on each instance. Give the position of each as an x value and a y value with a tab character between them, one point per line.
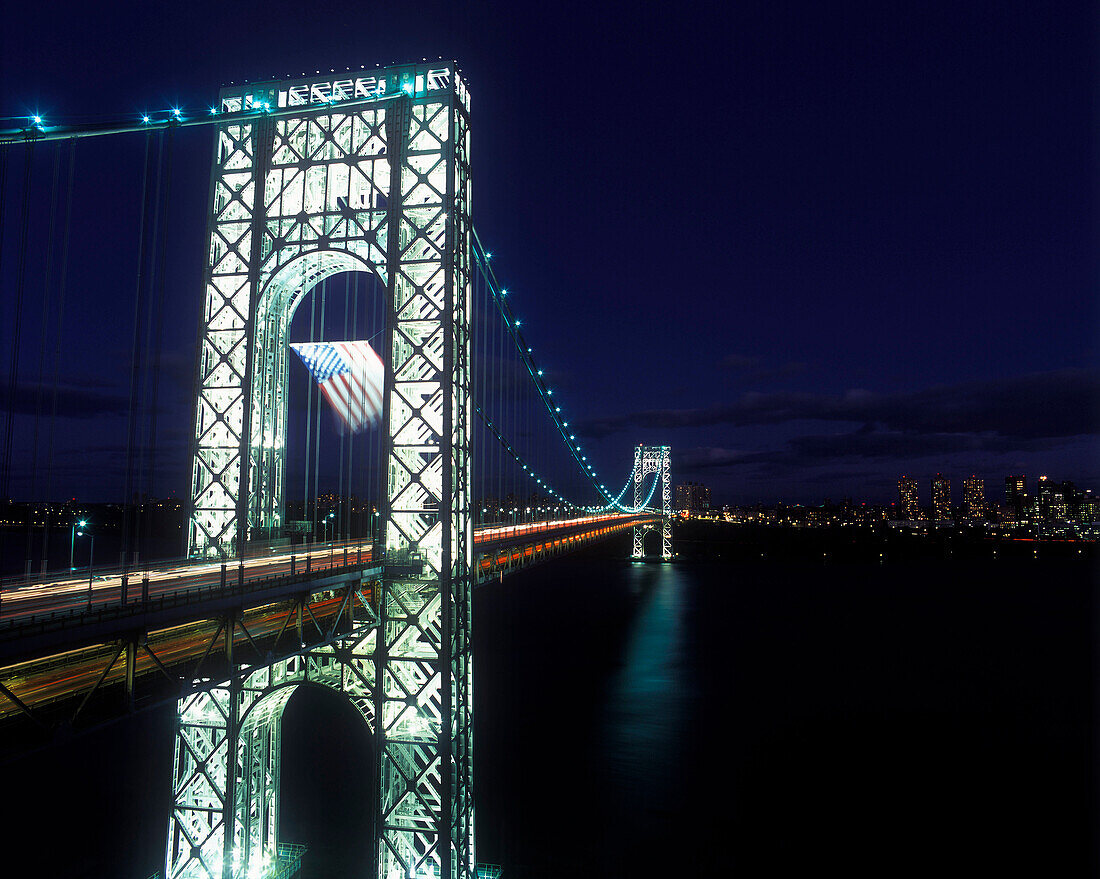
648	700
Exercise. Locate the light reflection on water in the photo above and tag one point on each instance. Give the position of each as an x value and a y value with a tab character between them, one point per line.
649	699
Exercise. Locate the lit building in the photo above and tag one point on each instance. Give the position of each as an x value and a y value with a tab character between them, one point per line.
1016	494
1088	507
974	498
908	508
941	498
1051	498
692	497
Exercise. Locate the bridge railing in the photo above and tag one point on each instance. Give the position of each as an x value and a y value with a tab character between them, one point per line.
40	624
254	552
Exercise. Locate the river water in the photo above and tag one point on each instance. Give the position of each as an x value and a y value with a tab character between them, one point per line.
711	717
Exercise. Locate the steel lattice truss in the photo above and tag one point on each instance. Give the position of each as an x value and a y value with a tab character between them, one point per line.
654	459
238	723
380	183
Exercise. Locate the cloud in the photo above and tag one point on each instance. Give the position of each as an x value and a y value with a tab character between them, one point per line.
894	444
703	458
76	398
753	370
1061	403
738	361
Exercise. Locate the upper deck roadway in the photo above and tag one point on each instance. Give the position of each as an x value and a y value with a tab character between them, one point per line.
23	600
65	637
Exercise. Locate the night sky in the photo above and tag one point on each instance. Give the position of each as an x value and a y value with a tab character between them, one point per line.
811	247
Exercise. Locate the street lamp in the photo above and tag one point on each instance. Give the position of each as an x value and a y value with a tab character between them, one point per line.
72	542
328	525
91	561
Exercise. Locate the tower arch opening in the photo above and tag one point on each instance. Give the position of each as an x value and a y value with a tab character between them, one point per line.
329	785
292	285
651	543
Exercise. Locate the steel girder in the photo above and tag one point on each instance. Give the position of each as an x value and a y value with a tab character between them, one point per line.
654	459
380	184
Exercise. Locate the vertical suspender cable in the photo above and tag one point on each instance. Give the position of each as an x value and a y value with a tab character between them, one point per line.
351	438
3	194
499	370
61	287
317	430
148	306
46	299
340	480
162	271
482	314
127	520
309	410
17	329
379	468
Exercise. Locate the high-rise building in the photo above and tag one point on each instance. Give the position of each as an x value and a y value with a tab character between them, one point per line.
1088	507
1051	498
941	497
1016	494
693	497
907	499
974	498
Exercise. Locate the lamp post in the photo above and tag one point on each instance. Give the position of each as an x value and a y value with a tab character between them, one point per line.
91	564
72	542
91	561
328	524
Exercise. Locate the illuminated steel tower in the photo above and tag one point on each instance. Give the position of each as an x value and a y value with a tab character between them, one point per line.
653	459
313	177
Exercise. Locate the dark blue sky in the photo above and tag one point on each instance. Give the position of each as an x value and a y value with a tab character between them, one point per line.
810	246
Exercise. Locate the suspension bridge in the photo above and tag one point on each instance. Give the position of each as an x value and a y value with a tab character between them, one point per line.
352	193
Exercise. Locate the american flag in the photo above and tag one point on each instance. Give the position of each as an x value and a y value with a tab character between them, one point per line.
350	375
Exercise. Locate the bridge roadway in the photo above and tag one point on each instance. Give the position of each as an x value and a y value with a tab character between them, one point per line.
61	639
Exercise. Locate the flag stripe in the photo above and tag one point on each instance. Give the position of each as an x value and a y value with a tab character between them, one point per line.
350	375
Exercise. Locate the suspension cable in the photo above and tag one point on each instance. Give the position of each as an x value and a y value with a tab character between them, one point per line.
499	295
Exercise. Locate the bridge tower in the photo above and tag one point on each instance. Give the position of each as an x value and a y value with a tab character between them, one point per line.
653	459
311	177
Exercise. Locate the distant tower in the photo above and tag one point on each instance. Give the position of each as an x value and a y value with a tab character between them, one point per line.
1016	493
656	460
941	497
907	499
974	498
1051	498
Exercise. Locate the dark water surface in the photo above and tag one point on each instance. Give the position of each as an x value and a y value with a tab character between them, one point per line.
712	716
